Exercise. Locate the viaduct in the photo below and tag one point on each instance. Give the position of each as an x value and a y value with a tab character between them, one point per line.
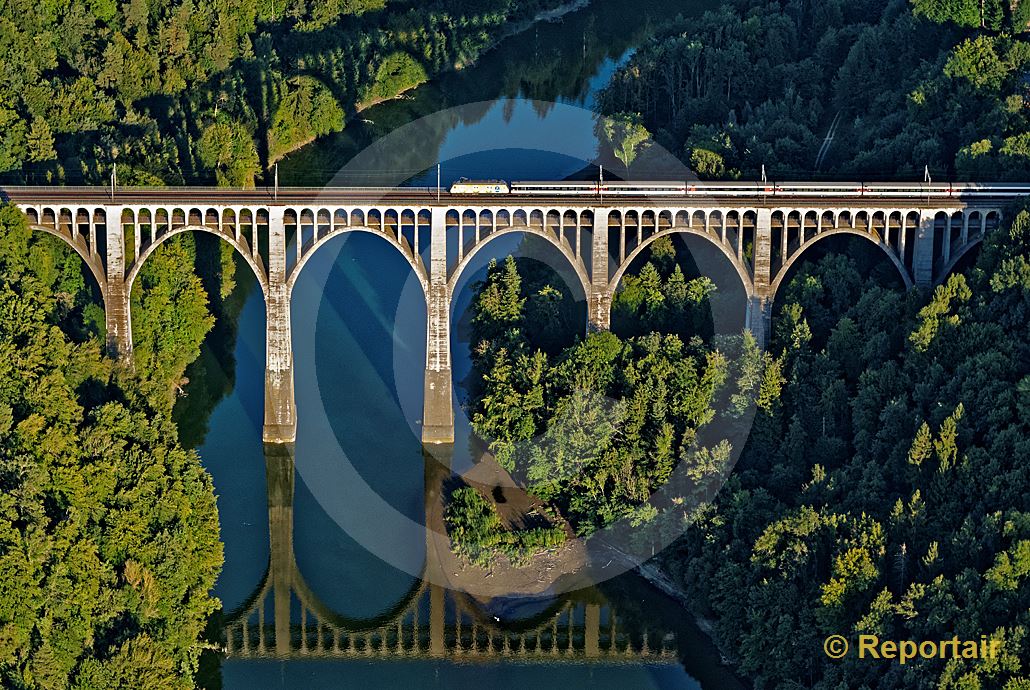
277	232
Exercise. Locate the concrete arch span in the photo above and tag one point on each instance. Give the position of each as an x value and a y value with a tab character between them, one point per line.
255	263
413	260
93	262
970	237
745	277
887	249
960	254
433	621
94	223
536	622
574	262
391	615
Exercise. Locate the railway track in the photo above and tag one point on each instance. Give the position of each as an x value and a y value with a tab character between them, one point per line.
796	194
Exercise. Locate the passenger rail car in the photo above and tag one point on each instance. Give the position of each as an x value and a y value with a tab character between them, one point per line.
833	190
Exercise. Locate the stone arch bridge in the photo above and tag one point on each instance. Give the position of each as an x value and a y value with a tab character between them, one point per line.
276	234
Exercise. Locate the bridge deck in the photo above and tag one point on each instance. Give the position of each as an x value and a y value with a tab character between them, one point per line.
427	197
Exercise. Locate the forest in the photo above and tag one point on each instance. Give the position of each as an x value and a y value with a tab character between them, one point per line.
176	91
885	484
884	487
596	425
897	85
109	532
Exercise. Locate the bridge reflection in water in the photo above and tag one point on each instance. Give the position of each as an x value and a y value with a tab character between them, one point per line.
285	619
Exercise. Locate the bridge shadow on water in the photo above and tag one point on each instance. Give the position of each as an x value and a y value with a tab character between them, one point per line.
285	618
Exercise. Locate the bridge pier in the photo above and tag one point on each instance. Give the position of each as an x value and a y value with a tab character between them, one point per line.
922	252
759	319
759	308
280	407
78	223
599	310
117	319
437	471
117	315
437	410
599	300
592	631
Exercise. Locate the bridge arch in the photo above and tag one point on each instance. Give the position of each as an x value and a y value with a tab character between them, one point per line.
244	251
396	614
745	278
574	262
537	621
78	228
311	601
307	251
871	237
92	261
970	237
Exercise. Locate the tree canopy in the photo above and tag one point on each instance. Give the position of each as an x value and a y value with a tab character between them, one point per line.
109	532
179	90
595	427
626	134
900	85
884	489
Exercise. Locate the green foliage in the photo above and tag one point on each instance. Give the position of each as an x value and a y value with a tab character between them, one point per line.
306	110
516	324
661	299
961	12
316	14
754	84
708	165
397	73
478	534
597	428
511	402
884	489
228	149
939	312
977	61
626	134
170	319
499	302
80	75
109	535
176	90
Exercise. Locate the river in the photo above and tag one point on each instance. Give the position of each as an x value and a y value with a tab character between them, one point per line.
327	542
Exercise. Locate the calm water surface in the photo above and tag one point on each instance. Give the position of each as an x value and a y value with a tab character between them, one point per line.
324	548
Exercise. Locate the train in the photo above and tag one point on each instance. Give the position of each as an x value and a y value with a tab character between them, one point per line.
467	186
744	189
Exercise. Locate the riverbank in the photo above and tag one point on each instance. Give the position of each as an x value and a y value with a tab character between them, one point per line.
551	15
662	582
562	568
